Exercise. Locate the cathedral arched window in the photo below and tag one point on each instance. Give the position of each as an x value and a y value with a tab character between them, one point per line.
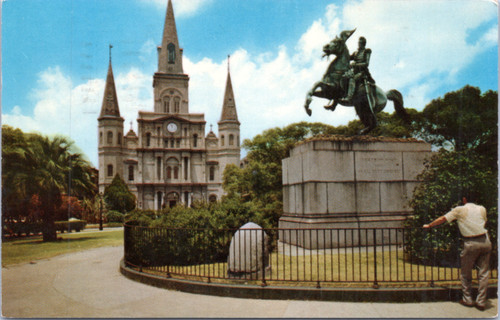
100	137
110	170
119	138
110	137
238	141
177	104
212	173
148	139
231	140
222	140
172	165
130	173
159	199
195	140
158	168
171	52
166	104
212	198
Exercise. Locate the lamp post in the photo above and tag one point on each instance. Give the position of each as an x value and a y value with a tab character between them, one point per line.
100	211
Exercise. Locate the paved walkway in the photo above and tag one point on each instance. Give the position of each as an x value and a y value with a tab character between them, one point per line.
88	285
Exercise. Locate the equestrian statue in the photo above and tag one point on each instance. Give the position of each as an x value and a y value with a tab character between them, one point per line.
351	84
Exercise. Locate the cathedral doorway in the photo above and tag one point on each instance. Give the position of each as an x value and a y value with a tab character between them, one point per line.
172	199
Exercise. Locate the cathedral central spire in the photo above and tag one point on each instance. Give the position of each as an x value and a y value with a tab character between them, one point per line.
170	54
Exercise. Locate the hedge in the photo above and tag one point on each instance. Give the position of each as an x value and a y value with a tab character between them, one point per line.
76	225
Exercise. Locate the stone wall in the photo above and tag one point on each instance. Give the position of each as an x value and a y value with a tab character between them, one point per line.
341	182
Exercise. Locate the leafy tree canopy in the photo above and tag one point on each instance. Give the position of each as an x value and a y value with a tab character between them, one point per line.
463	119
118	197
39	170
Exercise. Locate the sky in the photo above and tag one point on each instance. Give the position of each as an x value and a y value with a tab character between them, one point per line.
55	56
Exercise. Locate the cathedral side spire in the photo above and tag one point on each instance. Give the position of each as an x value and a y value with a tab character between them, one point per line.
229	113
110	99
170	54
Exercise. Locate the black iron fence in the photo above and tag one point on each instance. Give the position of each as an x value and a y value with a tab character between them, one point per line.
324	257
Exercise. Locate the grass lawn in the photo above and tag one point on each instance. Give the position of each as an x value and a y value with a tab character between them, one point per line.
33	248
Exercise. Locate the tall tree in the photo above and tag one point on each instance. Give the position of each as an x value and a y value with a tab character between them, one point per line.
463	119
13	206
118	197
47	168
464	125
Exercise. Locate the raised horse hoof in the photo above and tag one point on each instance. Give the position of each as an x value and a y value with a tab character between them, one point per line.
308	111
331	107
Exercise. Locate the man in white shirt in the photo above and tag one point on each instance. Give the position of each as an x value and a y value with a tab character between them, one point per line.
471	220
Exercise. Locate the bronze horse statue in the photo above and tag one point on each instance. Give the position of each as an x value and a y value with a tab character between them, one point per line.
368	99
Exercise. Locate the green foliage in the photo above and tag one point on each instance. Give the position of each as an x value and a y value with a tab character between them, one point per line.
259	184
93	207
36	172
463	119
139	217
464	123
191	235
68	226
447	177
389	125
114	216
118	197
22	228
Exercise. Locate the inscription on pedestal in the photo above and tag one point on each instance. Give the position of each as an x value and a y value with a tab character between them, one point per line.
378	166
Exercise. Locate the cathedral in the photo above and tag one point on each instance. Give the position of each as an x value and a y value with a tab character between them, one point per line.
169	160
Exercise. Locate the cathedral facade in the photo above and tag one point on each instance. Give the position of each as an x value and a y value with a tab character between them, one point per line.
170	160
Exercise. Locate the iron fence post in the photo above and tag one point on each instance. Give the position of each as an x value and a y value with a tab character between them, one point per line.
263	284
169	241
433	257
375	282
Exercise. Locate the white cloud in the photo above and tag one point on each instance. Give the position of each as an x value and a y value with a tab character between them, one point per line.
62	108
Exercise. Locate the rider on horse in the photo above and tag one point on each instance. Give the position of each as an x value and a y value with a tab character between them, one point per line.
359	70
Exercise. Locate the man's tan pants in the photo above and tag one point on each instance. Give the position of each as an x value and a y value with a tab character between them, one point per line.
476	251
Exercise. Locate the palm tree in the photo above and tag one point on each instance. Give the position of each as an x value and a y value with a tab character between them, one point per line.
46	167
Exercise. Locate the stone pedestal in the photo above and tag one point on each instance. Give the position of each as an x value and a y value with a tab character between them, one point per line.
348	182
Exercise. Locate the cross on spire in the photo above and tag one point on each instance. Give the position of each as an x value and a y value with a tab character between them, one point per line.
110	47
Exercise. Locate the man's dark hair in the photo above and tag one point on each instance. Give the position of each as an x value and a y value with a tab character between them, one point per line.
469	195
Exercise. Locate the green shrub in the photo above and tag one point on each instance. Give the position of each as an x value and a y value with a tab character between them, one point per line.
447	177
22	228
76	225
114	224
184	236
114	216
